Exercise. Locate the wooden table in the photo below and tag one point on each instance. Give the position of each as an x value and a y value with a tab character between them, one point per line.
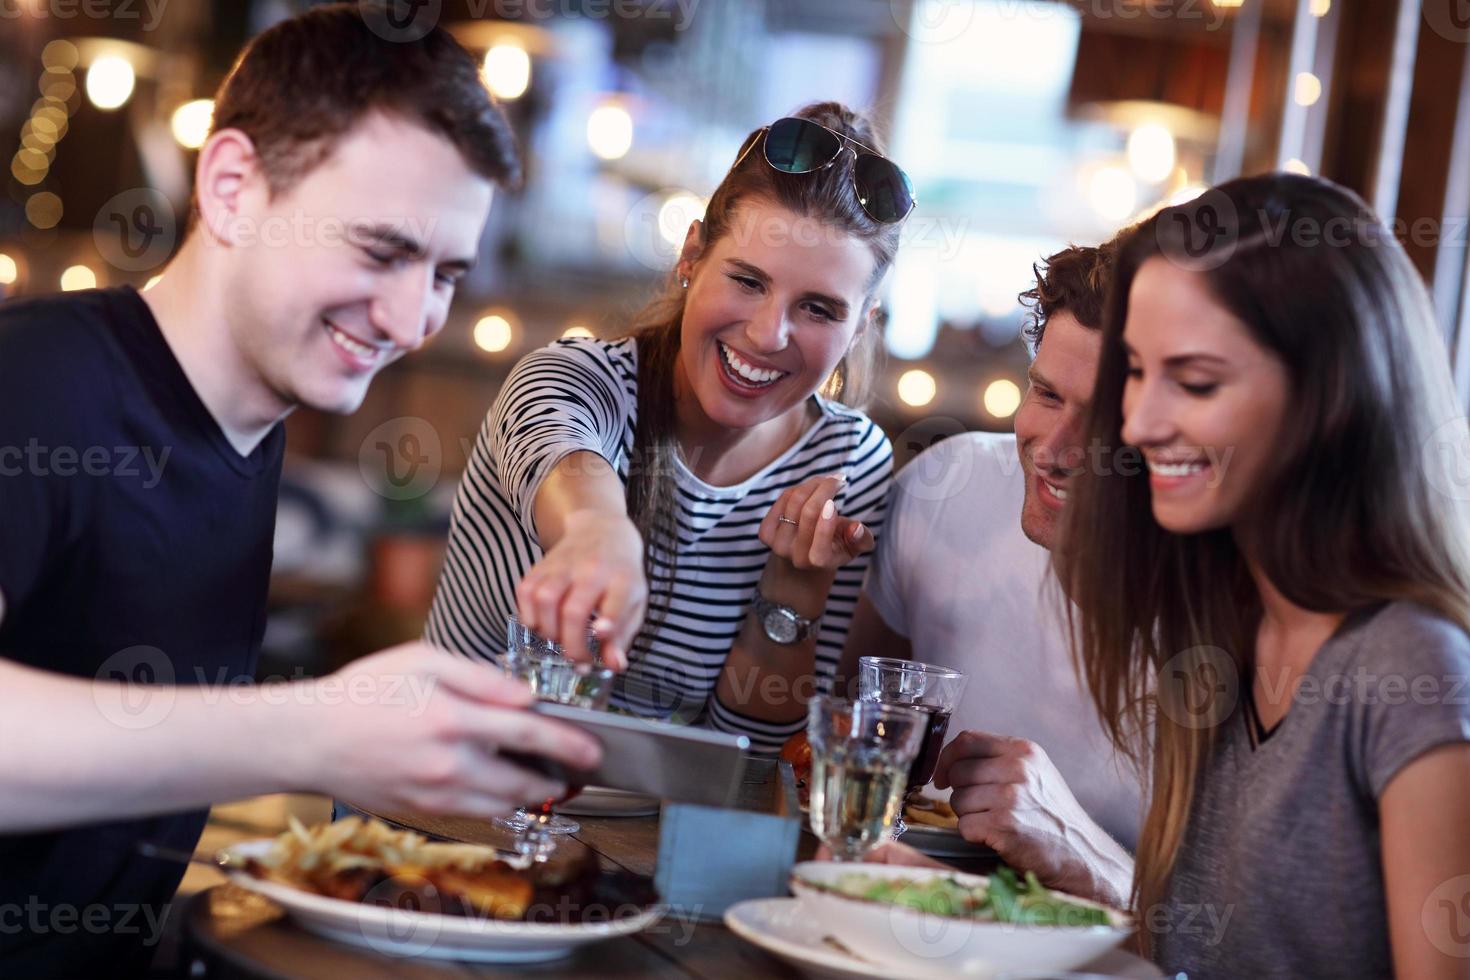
230	932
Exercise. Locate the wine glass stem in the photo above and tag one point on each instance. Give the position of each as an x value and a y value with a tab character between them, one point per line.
898	822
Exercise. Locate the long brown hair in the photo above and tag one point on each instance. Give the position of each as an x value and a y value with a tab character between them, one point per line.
825	195
1351	516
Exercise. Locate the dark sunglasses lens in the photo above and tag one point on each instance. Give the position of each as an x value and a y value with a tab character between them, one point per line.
797	146
883	188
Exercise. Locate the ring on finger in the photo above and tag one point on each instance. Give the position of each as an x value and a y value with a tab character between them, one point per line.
786	520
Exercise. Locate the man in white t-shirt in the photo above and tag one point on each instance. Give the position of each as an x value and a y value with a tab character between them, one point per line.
958	580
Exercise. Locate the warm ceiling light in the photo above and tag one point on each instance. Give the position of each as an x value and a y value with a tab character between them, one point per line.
493	333
9	271
917	387
78	277
110	82
1151	152
1002	398
507	71
610	131
191	122
577	330
1113	193
44	210
1308	89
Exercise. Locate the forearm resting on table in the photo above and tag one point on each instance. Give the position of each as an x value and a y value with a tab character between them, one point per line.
581	482
76	751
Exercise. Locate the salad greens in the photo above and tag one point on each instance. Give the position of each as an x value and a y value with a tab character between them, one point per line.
1006	897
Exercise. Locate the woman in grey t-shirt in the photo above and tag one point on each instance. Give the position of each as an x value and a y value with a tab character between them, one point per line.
1271	575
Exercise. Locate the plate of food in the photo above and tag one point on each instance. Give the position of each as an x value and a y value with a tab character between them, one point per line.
778	926
936	922
365	883
604	801
933	828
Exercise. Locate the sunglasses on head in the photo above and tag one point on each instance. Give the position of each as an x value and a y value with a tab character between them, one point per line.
800	146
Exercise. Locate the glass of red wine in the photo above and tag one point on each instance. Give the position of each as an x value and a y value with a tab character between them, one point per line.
932	689
543	665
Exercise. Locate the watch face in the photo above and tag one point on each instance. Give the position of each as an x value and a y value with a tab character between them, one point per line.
780	626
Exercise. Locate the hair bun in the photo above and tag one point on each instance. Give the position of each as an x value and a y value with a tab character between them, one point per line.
839	118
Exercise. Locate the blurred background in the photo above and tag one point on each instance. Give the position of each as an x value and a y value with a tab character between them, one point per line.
1025	124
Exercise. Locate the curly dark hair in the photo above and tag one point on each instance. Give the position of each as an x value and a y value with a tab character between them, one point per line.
1074	279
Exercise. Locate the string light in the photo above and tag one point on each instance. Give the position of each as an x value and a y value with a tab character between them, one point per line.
191	121
507	71
1113	193
610	131
917	387
9	271
1002	398
45	127
78	277
44	210
110	82
1308	89
1151	152
493	333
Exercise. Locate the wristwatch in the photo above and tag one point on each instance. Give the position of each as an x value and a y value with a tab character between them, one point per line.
781	623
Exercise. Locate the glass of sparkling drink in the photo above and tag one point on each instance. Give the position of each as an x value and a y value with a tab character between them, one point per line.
551	677
861	755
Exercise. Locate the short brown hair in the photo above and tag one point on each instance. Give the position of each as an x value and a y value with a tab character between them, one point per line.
300	86
1075	280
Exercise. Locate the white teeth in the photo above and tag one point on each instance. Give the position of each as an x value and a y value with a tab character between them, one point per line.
1056	491
351	345
753	375
1174	469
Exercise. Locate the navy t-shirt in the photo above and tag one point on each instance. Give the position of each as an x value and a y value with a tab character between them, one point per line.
135	542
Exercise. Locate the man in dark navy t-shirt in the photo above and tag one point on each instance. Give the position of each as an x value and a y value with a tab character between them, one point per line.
340	197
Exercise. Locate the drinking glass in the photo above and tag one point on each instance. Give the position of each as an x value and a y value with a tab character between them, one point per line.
543	665
861	754
929	688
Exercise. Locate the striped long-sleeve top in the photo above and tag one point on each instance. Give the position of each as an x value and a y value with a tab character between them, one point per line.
581	395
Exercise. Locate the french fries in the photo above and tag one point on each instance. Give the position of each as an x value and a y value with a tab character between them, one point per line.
931	813
352	857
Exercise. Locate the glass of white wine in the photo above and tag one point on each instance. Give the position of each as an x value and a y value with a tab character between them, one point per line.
861	754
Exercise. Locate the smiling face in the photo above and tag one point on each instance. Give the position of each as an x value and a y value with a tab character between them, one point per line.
771	309
355	265
1052	420
1203	400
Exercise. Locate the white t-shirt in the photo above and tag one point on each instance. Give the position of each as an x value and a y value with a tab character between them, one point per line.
954	573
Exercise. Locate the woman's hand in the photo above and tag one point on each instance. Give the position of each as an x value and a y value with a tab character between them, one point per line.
807	537
596	566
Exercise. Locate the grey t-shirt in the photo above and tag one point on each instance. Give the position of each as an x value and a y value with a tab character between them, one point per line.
1279	872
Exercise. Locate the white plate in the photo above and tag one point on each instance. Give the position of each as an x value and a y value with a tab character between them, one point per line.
405	933
604	801
778	926
925	945
941	841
